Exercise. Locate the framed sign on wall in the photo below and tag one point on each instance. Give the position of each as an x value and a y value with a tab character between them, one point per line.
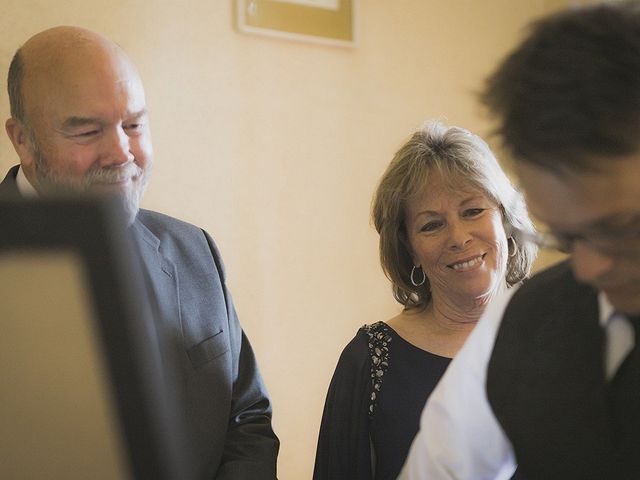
321	21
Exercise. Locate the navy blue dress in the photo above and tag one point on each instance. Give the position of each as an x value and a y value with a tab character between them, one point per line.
373	406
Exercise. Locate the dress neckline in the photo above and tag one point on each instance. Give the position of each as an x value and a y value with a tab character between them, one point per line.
411	345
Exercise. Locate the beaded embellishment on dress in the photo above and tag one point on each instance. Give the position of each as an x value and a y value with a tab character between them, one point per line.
379	339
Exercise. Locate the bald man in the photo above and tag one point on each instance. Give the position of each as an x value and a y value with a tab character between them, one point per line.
79	122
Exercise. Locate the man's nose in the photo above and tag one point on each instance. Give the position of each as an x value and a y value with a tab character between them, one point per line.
117	149
588	263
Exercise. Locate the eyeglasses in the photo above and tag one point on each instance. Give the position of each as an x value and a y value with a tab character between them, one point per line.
617	235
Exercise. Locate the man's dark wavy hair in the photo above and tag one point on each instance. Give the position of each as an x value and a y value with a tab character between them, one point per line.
569	95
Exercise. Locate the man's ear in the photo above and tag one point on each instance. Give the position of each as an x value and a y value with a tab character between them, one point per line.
19	137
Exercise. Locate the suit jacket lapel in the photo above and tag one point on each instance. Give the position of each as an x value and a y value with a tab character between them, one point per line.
160	276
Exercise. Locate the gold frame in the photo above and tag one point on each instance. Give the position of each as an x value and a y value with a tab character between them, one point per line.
297	21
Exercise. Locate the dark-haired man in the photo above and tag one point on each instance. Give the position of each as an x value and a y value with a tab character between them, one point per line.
79	122
550	378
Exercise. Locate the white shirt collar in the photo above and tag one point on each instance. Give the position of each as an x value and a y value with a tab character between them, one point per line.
605	309
620	336
24	187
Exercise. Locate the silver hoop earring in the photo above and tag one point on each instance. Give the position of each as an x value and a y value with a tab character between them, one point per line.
424	277
512	241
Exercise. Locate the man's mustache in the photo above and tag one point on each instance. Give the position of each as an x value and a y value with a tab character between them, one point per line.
106	175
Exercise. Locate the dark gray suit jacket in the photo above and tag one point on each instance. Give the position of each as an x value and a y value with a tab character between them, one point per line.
227	407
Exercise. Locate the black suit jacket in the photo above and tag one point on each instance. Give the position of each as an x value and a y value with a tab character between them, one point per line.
227	406
546	384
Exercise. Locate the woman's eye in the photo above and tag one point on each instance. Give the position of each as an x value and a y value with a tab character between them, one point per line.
473	212
431	226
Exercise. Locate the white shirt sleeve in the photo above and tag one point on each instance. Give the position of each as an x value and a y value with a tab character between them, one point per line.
459	436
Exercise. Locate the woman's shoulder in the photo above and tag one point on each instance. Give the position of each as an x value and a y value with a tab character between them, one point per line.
358	350
374	329
376	334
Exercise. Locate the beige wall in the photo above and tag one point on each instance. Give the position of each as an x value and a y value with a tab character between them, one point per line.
275	147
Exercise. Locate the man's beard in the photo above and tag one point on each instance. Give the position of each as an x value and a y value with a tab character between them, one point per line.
52	182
